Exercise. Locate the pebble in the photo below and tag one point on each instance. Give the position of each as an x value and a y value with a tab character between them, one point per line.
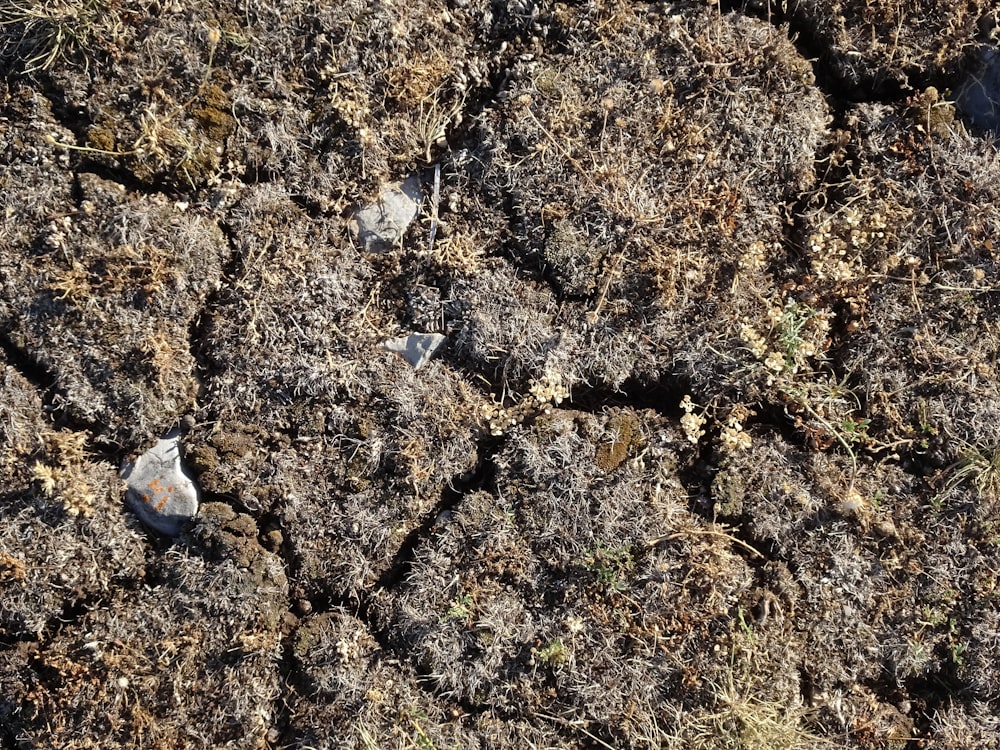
159	489
416	348
381	225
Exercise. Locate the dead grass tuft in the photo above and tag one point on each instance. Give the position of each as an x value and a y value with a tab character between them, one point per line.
38	34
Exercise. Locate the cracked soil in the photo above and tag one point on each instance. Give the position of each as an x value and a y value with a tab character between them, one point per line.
710	457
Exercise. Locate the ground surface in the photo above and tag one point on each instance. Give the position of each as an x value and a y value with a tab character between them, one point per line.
709	458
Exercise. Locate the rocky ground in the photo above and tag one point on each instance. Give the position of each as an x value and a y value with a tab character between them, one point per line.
709	456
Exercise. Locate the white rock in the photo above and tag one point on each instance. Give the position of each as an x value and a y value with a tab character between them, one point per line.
416	348
381	225
159	489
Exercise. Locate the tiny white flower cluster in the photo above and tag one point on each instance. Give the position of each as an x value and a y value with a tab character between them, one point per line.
544	393
348	648
756	343
549	388
732	437
775	361
755	256
351	104
837	244
691	423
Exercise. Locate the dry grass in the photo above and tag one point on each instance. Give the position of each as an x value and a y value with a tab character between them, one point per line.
978	468
38	34
747	714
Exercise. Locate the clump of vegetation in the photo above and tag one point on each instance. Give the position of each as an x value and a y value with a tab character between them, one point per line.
978	467
36	35
61	471
745	716
881	47
124	275
179	142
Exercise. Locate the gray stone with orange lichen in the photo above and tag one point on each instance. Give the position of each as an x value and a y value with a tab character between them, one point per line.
159	489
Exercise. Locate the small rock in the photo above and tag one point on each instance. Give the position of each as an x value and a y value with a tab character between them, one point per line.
381	225
159	490
416	348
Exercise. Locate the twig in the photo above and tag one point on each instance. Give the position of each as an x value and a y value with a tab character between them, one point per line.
704	532
840	439
435	199
594	314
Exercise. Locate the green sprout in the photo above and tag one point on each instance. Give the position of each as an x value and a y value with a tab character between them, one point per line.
460	608
610	566
553	653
